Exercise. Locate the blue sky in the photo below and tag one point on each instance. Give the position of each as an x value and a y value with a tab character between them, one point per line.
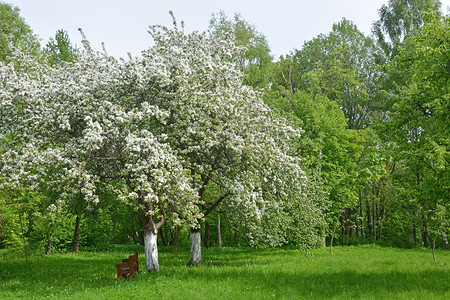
122	24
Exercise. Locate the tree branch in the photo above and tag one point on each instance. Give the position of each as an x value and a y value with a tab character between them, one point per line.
164	216
215	204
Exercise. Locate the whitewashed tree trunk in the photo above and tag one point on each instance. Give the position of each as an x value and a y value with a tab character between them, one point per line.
151	251
196	248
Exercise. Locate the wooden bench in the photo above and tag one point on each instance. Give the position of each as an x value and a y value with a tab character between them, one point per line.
128	266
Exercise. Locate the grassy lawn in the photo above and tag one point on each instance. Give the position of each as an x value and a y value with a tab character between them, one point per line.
364	272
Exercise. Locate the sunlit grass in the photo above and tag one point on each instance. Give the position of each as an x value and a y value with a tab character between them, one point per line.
364	272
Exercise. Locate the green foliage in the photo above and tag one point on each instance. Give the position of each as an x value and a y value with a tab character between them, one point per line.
28	220
342	66
256	61
10	223
59	49
14	32
420	120
400	19
112	221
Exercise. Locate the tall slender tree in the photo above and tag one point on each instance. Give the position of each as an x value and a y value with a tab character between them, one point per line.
400	19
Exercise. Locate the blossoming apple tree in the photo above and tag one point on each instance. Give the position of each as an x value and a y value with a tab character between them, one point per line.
227	136
158	130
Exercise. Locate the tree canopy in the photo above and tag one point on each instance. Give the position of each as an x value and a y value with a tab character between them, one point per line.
15	32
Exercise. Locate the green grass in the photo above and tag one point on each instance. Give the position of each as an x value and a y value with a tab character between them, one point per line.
363	272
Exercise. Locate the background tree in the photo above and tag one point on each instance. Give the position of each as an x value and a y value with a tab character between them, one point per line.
342	65
256	60
400	19
329	87
14	32
59	49
419	119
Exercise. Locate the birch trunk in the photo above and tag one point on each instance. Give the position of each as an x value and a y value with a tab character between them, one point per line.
196	248
361	216
219	234
151	250
444	240
48	247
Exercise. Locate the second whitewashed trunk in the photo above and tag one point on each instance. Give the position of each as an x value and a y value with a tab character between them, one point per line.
196	248
151	251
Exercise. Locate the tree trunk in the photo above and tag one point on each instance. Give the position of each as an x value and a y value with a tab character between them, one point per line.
374	216
151	239
196	248
361	216
151	250
382	216
353	225
369	220
444	240
207	234
219	234
425	233
48	247
433	242
332	235
167	234
161	237
176	239
76	235
151	235
345	231
356	222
